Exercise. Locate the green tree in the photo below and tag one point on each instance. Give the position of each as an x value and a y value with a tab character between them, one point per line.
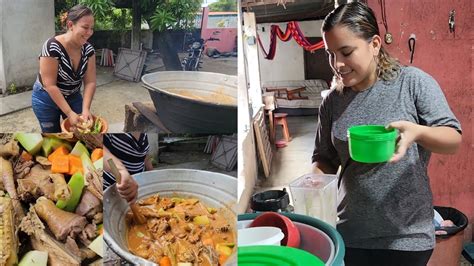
162	16
223	5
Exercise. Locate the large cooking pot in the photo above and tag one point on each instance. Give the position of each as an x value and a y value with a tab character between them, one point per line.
194	101
213	189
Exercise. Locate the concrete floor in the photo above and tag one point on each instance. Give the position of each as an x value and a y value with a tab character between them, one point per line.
112	94
294	160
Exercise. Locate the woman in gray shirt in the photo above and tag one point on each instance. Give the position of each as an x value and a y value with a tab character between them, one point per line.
385	209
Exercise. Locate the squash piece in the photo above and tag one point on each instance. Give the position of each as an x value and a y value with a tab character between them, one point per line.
60	164
97	154
75	165
61	150
76	184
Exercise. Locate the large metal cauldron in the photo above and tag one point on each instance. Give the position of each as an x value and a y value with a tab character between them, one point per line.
213	189
206	113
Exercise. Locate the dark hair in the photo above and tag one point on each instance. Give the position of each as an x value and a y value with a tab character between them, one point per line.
361	20
75	14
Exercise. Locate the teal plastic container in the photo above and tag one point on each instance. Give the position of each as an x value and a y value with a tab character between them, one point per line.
371	143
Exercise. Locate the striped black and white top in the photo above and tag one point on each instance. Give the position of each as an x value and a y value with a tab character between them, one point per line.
68	80
130	151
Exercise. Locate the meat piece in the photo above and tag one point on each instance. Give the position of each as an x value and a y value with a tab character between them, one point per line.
36	184
61	223
94	183
166	203
8	235
9	149
158	227
9	185
98	217
22	168
186	252
153	212
43	161
150	200
58	254
88	234
72	246
89	205
61	189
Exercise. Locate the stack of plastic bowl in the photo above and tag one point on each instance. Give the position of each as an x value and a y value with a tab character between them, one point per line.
319	243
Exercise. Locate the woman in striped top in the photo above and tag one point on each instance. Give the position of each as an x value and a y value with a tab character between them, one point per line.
66	62
129	152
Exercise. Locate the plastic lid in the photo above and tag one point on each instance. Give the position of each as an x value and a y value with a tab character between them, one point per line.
371	133
276	255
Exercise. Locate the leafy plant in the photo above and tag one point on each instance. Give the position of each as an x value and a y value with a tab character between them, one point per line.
12	89
223	5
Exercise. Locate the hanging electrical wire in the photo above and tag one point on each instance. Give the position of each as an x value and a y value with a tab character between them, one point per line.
388	38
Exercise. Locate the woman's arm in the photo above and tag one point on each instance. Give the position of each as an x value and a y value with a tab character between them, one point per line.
148	163
128	188
323	167
438	139
49	72
89	86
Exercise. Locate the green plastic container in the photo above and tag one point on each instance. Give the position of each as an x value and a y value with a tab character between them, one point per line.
371	143
276	255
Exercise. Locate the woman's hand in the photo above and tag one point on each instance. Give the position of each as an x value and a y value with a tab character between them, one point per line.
128	187
86	115
73	118
409	133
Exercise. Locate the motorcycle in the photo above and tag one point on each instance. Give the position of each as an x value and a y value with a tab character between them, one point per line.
192	62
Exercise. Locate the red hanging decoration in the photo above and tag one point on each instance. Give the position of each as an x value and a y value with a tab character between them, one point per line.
292	30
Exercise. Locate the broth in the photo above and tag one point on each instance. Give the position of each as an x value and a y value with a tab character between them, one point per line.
216	97
181	229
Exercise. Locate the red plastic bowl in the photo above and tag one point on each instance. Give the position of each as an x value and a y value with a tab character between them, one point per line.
289	229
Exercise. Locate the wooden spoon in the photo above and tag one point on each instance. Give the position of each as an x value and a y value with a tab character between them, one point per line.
137	216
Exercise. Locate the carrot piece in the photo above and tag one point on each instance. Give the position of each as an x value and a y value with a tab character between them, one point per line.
75	164
26	156
222	259
97	154
165	261
60	164
61	150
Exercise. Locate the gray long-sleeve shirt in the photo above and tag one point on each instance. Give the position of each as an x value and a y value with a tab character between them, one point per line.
384	205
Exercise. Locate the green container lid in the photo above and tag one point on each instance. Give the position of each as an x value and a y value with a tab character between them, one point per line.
276	255
372	133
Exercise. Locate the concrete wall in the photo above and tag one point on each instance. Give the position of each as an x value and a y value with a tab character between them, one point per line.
288	54
449	58
25	25
226	36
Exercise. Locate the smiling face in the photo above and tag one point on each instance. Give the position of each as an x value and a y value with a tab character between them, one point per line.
352	59
82	29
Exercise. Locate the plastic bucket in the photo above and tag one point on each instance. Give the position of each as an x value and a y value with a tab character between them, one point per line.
262	235
371	143
276	255
449	247
317	237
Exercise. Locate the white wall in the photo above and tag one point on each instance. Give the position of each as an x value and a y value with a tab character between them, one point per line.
249	84
288	63
25	25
